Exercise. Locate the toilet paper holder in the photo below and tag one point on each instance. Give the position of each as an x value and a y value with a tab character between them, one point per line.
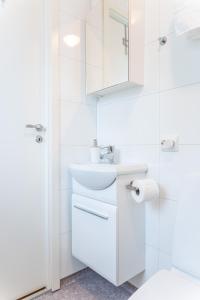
131	187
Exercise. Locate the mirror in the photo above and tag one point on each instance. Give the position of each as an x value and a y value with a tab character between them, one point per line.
108	31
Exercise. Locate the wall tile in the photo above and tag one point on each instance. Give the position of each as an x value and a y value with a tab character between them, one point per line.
141	154
151	69
165	261
179	62
78	124
173	165
129	122
167	222
179	114
167	10
169	177
150	269
68	264
152	224
151	20
151	261
72	79
94	18
167	13
70	155
77	8
72	26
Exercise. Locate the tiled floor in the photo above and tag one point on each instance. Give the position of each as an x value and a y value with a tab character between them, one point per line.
87	285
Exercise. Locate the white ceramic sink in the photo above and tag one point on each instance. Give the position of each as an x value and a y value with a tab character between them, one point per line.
101	176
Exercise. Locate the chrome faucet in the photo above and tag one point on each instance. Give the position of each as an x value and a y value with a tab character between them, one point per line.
107	154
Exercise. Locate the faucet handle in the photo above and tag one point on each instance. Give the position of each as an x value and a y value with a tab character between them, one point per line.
107	149
107	154
111	148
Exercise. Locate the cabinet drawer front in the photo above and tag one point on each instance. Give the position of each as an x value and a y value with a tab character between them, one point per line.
94	237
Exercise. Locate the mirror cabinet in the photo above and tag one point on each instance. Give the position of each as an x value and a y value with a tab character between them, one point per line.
114	45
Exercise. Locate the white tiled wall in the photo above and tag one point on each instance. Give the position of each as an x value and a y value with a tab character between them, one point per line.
169	104
78	118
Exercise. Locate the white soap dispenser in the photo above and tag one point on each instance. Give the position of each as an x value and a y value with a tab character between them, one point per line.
95	153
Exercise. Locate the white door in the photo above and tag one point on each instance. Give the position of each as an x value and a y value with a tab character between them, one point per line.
23	267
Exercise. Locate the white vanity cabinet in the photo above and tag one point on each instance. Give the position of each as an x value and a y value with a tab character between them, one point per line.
95	235
108	227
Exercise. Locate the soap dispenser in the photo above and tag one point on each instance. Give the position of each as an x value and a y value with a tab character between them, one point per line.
95	153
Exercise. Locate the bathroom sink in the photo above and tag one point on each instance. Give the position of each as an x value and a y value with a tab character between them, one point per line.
101	176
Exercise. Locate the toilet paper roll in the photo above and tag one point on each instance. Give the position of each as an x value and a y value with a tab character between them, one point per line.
146	190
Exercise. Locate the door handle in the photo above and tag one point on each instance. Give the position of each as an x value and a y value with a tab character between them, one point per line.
37	127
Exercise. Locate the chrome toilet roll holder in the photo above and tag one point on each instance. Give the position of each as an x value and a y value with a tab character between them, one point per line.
133	188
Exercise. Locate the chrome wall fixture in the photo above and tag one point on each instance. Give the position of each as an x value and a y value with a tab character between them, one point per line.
131	187
162	40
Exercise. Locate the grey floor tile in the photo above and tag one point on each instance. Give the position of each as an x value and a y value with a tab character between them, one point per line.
87	285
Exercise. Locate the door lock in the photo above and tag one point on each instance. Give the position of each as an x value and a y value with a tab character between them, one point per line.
39	139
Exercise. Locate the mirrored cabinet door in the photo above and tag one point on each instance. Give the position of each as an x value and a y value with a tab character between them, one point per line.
114	45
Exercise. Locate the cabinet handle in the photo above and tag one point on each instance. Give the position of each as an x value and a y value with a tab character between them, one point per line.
91	212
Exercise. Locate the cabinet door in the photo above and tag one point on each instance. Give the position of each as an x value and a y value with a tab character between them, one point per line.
94	231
